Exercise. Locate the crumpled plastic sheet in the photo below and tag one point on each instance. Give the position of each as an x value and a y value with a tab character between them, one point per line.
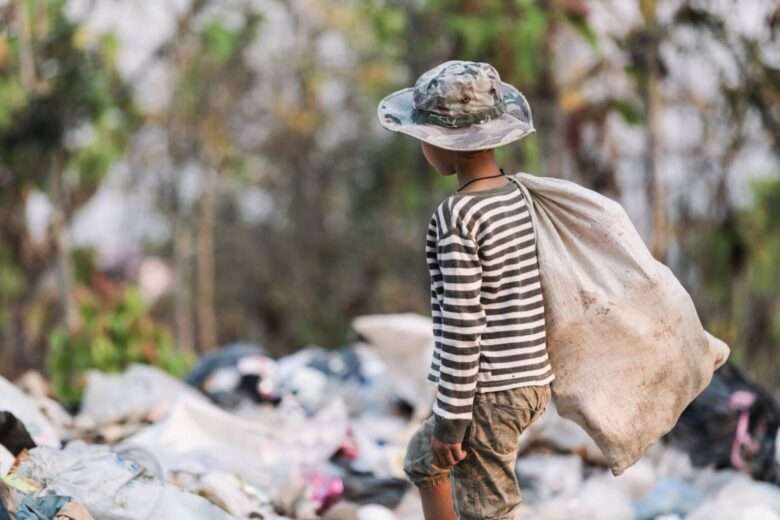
35	386
230	493
110	487
198	437
26	409
140	392
545	476
597	499
6	461
741	498
381	444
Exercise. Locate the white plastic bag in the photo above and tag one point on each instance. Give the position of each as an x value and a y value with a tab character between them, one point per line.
627	347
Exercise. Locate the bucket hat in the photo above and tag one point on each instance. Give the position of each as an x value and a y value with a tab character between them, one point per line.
459	105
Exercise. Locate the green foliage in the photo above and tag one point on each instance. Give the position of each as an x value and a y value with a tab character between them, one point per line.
630	111
477	32
761	230
528	38
112	336
76	86
389	23
66	117
12	98
580	24
738	280
219	41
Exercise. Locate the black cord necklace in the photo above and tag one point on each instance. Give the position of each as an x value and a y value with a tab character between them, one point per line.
503	173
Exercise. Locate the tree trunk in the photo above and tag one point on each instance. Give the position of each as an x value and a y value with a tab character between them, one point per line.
26	56
64	269
654	106
207	322
182	257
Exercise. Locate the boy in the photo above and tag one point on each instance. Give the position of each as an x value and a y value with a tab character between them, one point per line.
490	360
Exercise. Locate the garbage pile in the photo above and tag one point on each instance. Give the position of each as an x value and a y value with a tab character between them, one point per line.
321	434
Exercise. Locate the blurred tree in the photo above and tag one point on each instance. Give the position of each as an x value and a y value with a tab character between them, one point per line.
211	84
290	211
64	118
735	252
648	66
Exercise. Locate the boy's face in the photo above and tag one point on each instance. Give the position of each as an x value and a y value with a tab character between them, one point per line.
443	161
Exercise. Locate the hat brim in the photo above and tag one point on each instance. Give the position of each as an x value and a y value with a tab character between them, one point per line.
395	113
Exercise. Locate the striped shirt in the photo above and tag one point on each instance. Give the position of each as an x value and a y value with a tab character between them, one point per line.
486	302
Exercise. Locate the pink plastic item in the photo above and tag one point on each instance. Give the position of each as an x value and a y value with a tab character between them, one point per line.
741	401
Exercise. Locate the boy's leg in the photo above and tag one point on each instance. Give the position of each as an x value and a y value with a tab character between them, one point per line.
485	485
432	481
437	501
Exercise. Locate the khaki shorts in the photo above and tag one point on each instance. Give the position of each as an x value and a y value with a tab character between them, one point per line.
484	484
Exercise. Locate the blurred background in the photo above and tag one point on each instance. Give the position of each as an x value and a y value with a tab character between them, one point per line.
176	175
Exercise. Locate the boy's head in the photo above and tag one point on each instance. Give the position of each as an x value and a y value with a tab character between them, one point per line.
460	106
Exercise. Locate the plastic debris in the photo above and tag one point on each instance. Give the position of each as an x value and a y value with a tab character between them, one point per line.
733	423
236	372
668	497
109	486
40	508
73	511
561	434
543	477
7	460
199	438
26	409
741	499
140	393
405	343
226	357
229	492
597	499
13	434
321	434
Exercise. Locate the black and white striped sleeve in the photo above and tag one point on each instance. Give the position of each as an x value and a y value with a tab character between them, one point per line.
462	324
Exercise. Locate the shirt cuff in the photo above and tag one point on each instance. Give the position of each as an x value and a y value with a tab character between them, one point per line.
449	431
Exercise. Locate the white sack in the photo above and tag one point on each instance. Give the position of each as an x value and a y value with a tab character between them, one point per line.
627	347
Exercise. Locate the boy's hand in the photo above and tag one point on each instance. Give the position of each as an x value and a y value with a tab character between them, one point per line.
446	455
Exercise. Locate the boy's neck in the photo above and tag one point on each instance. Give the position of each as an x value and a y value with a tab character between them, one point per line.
482	166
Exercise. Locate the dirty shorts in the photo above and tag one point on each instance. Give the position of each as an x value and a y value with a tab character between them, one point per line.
484	484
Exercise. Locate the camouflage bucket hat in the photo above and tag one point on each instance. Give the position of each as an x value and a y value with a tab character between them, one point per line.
459	105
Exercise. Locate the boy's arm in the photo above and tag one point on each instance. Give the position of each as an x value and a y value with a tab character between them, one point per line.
462	323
